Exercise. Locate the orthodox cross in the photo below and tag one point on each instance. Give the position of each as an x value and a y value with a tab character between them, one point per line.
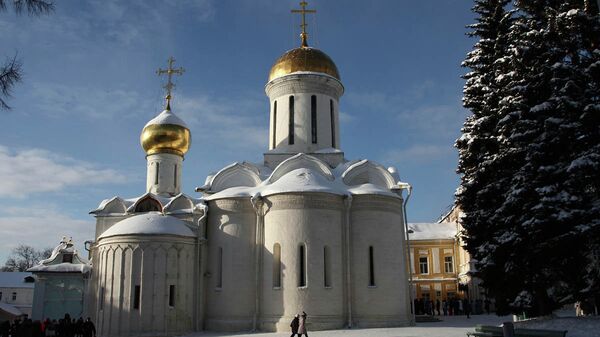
169	86
304	11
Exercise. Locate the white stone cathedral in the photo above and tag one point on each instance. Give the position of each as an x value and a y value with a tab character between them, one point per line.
306	230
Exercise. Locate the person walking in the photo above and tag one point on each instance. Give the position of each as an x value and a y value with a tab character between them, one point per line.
89	330
467	307
438	304
294	325
302	325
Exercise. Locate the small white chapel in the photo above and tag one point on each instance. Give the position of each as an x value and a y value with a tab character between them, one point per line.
305	230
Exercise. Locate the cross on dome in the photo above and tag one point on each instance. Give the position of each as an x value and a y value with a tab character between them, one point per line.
304	11
169	86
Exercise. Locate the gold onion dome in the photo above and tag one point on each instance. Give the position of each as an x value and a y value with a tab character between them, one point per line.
166	133
303	59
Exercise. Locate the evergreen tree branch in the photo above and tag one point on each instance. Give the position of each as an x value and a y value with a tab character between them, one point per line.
10	74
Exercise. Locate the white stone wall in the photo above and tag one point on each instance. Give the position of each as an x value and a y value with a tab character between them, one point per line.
302	87
154	263
230	226
24	298
169	168
377	221
314	220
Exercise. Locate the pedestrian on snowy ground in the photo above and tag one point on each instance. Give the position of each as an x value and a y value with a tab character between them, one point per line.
466	307
302	325
294	325
89	330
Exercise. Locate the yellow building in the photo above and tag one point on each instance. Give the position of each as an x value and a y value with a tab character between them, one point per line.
465	264
434	253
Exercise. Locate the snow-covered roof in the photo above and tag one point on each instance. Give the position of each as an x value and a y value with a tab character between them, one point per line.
120	206
10	309
153	223
166	117
302	173
64	259
15	280
432	231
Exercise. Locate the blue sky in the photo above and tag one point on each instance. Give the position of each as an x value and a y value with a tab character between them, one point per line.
72	137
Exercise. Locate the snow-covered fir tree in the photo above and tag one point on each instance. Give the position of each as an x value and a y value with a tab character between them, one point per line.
535	210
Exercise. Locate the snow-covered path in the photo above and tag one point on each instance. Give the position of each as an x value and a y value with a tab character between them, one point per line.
451	326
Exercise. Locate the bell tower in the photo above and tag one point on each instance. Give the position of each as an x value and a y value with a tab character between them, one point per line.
304	90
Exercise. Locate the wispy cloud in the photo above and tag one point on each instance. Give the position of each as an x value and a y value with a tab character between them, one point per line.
240	122
40	226
124	23
419	154
63	101
414	109
30	171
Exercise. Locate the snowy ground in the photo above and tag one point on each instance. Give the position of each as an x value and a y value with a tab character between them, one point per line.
451	326
454	326
576	326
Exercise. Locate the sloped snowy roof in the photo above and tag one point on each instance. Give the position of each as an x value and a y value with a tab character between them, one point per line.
56	262
15	280
304	173
11	309
153	223
129	203
166	117
432	231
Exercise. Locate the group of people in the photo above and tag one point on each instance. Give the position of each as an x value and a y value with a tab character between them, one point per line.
64	327
450	307
298	325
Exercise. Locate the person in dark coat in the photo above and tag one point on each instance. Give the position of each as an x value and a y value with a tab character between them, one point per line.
438	305
467	307
294	325
89	330
302	326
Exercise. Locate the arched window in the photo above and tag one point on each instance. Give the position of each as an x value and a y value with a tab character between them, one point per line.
175	175
291	122
277	266
332	117
274	124
220	268
302	266
313	118
156	173
148	204
326	267
371	268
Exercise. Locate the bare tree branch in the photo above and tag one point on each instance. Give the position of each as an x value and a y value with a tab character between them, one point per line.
24	257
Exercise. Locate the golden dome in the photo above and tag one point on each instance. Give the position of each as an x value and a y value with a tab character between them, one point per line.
303	59
166	133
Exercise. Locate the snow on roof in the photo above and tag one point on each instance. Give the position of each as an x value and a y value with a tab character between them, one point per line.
130	202
11	309
64	267
166	117
153	223
303	180
57	263
15	280
432	231
305	173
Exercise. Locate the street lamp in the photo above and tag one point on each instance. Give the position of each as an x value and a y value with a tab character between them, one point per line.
399	188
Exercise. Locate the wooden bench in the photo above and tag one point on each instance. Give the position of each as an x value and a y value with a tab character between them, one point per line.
496	331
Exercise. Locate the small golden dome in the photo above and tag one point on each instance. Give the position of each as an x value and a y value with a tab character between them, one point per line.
303	59
166	133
